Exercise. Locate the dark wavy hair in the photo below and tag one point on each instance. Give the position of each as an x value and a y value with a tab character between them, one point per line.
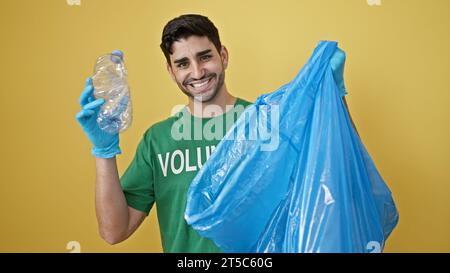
188	25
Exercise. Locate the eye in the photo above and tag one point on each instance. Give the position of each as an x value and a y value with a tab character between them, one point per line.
182	65
205	57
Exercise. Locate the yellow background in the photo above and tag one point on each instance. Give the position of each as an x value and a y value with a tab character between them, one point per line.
397	75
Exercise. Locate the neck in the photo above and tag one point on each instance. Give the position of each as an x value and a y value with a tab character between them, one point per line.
215	107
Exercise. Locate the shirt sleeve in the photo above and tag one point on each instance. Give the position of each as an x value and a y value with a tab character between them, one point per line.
137	182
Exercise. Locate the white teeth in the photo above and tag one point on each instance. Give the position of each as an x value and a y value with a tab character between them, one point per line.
197	85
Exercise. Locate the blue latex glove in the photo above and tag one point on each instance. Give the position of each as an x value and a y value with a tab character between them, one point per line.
337	65
105	145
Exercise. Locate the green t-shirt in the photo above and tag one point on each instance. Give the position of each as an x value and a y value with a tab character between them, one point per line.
167	159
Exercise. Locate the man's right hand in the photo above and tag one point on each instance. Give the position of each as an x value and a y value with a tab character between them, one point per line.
105	145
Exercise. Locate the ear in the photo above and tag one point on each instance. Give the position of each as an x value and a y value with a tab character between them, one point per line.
169	69
224	56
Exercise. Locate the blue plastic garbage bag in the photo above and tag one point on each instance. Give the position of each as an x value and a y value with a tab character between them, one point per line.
311	187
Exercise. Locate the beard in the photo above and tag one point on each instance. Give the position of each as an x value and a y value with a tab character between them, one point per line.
208	96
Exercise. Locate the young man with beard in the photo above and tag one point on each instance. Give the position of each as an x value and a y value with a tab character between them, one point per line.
172	151
165	164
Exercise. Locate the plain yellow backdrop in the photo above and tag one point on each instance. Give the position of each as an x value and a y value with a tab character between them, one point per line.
397	76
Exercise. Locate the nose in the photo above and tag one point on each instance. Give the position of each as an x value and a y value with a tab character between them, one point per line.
197	71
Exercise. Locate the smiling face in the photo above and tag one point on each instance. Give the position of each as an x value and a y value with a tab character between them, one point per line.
198	68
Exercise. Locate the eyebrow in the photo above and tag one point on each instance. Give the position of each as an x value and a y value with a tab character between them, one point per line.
199	54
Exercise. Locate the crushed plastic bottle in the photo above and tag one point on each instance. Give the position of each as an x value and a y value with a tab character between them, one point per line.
110	83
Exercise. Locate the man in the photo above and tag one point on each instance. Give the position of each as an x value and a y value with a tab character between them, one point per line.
164	166
165	163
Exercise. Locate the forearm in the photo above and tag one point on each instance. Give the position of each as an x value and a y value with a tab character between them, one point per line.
110	202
